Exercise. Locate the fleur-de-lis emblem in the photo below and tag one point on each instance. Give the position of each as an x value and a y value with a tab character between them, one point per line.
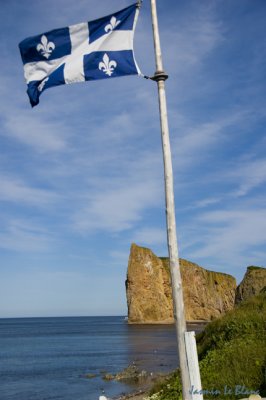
107	66
41	85
113	24
45	47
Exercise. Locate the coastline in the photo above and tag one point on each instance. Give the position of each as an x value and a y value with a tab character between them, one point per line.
134	396
142	392
144	389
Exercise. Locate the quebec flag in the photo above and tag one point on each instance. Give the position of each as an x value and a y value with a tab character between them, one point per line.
99	49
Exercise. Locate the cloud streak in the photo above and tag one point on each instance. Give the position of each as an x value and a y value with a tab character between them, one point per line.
15	190
24	236
228	238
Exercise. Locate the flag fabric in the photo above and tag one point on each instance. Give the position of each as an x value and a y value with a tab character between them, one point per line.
98	49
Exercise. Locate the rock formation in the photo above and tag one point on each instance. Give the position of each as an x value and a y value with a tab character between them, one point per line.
207	294
252	284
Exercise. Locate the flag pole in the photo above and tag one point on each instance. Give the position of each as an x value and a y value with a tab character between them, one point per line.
178	303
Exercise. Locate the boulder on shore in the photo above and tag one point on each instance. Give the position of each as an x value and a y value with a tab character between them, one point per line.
129	374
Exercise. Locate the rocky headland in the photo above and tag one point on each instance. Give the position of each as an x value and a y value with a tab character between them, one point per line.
253	283
207	294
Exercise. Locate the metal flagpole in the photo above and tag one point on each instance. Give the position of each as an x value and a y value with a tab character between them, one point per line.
177	291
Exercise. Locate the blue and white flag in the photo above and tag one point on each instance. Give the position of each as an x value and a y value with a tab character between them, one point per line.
98	49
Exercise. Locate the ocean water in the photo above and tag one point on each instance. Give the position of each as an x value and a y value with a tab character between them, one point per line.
48	358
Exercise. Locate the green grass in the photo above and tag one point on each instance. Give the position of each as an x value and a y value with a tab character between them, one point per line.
246	320
252	267
232	353
167	389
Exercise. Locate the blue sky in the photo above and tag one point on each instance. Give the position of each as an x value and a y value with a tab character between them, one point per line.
82	174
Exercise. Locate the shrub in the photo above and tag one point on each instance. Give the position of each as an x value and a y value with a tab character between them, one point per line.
167	389
232	354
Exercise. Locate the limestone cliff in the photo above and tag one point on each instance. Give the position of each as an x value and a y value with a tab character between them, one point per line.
252	284
207	294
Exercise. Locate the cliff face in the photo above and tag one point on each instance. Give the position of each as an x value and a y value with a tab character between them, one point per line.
252	284
148	288
207	294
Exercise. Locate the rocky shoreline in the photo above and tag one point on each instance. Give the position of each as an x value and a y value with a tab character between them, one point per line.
132	374
134	396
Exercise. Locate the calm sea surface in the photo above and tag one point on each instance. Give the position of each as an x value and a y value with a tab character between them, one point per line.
48	358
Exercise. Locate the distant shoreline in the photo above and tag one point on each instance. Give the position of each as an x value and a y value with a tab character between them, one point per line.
193	322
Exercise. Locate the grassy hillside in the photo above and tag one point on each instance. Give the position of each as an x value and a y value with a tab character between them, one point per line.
232	354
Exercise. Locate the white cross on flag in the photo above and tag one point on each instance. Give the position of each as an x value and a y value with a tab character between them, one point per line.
98	49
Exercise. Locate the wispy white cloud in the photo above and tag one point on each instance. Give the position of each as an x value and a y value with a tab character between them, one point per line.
241	176
208	201
190	41
249	174
230	237
24	236
37	132
193	142
150	237
117	209
16	190
119	256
